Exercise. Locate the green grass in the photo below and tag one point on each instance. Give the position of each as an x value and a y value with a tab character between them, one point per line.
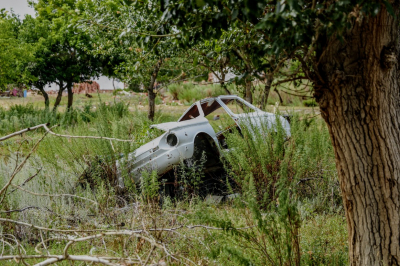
255	164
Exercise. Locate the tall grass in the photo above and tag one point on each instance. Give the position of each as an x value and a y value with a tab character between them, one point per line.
306	159
277	179
23	116
288	211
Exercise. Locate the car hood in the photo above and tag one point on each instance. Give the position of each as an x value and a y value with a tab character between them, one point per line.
149	146
175	125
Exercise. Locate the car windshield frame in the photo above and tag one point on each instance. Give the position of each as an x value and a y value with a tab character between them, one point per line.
214	104
226	99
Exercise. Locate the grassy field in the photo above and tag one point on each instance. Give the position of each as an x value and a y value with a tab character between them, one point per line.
139	100
289	210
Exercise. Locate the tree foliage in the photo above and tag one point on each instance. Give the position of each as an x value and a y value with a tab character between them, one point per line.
15	55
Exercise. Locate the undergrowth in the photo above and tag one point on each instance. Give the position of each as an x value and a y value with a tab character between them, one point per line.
286	210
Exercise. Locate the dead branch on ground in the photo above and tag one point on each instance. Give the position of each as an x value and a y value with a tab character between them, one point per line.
49	131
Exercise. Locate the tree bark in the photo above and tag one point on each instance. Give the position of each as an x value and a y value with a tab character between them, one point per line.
267	88
249	96
150	90
222	82
279	95
70	96
59	96
45	96
358	93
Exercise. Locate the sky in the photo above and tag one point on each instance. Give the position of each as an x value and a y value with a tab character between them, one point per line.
20	7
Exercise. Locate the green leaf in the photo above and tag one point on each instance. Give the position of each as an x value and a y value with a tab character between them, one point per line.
200	3
196	61
389	8
235	13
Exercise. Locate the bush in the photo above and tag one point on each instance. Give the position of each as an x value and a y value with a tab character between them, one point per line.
189	93
306	159
269	238
174	90
310	103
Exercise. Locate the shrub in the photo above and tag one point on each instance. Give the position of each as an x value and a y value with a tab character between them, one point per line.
189	93
150	186
306	159
174	90
310	103
266	238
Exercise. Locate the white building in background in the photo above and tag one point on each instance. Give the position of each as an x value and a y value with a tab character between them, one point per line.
228	76
104	82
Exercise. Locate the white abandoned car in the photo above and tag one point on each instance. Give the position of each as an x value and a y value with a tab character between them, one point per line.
199	130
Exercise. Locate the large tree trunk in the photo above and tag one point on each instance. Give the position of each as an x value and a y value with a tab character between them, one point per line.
359	97
267	88
150	90
70	96
45	96
59	96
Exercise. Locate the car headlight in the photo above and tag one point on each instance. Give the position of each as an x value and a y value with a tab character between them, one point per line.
172	140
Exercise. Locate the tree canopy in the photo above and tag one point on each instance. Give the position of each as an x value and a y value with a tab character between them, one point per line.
15	55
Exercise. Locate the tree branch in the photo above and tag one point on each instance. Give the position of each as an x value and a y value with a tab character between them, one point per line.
21	131
60	135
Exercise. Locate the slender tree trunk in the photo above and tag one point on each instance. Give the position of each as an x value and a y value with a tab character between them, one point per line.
70	96
359	97
45	96
222	82
150	90
279	95
249	96
227	91
59	96
268	82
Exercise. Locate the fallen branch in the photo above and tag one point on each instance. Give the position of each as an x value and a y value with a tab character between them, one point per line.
84	137
53	229
66	256
77	258
27	180
22	131
45	126
53	195
21	210
71	257
105	231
